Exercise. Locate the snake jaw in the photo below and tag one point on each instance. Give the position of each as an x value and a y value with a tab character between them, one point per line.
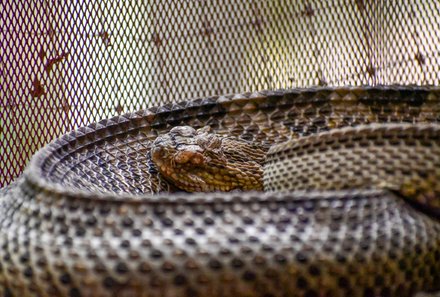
193	179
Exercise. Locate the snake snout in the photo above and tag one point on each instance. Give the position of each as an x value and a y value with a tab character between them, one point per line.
157	154
194	157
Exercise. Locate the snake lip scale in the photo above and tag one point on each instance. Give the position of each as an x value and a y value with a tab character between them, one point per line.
92	215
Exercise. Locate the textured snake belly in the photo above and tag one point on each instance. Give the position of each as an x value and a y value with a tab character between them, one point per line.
92	216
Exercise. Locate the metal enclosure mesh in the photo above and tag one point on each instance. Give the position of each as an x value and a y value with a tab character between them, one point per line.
65	64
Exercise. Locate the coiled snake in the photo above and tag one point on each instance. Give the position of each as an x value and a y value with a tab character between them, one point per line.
351	207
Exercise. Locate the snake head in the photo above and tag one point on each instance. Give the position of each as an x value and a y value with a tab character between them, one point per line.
185	156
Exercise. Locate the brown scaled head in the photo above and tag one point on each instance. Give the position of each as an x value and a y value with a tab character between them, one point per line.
199	161
184	154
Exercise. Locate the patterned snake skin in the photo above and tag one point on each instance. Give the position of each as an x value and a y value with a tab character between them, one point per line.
91	215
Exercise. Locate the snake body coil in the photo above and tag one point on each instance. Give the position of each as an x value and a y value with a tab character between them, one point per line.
82	221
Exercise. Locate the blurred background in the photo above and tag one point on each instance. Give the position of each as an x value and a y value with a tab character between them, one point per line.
65	64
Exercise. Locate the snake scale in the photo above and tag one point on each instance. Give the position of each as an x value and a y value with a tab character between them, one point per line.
351	204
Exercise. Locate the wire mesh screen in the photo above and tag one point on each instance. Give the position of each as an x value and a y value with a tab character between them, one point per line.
65	64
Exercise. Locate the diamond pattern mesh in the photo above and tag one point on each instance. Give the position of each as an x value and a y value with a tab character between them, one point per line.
65	64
